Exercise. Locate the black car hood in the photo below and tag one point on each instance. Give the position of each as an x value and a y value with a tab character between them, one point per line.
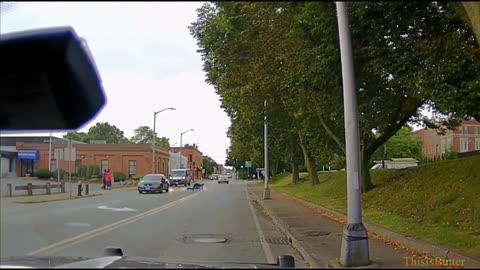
116	262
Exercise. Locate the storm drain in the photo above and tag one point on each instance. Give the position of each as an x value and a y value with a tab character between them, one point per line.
277	241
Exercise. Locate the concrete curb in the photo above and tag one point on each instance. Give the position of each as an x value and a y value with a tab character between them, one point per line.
304	250
419	245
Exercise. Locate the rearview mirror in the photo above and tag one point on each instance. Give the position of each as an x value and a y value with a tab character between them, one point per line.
48	81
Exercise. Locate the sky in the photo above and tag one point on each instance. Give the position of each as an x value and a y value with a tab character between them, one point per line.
147	61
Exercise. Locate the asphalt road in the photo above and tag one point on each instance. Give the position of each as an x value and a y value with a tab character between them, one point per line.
169	226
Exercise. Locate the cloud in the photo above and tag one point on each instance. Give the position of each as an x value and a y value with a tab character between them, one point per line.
147	60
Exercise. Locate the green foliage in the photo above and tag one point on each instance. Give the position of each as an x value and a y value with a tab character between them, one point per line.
96	171
137	177
83	171
78	170
436	201
209	165
90	171
451	153
288	54
119	176
144	134
43	174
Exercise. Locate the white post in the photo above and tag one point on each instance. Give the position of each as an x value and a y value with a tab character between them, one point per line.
266	192
354	251
153	142
69	160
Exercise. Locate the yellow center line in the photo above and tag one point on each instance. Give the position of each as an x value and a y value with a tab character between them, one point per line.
99	231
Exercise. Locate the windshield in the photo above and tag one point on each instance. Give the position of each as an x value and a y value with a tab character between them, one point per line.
152	177
179	173
270	123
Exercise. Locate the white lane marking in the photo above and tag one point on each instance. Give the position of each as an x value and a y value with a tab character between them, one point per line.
124	209
99	231
265	246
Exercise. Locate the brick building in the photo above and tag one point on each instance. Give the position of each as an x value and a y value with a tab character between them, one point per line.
465	138
130	159
195	159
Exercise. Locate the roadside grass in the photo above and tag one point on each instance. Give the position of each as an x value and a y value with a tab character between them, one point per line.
52	198
437	201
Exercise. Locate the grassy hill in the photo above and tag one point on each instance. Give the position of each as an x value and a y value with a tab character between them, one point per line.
437	201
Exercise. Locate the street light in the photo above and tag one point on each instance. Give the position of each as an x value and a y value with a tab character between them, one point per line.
181	145
155	135
354	250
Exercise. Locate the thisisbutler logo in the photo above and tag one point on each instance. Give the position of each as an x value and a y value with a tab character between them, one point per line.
435	262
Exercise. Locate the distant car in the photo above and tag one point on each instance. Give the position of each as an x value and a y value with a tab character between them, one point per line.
214	177
223	179
153	183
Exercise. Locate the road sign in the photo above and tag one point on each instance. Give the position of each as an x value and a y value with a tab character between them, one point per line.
70	156
248	164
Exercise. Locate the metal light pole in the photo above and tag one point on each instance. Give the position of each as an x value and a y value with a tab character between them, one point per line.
155	135
181	145
266	191
50	153
354	250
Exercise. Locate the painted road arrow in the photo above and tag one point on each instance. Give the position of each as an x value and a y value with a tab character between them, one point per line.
124	209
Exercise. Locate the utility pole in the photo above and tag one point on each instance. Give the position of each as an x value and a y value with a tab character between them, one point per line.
266	192
181	145
354	251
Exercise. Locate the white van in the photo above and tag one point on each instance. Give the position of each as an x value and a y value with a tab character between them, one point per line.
395	163
180	177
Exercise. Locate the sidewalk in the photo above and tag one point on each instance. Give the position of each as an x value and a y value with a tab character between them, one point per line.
319	238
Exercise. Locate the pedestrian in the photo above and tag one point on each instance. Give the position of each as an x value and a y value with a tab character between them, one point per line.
108	180
104	179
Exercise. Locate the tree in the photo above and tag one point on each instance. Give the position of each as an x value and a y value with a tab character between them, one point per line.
144	134
406	55
77	136
107	132
402	145
209	165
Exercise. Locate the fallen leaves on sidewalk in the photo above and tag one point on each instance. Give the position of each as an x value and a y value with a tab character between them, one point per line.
341	220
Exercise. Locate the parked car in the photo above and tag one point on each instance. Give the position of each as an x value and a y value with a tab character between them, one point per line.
153	183
214	176
181	177
223	179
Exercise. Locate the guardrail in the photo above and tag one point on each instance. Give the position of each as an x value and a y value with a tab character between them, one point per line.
48	188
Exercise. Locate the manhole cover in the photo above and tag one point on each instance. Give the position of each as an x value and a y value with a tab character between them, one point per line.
205	238
316	233
210	240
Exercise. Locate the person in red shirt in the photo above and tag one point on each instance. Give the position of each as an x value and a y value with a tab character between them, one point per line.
108	180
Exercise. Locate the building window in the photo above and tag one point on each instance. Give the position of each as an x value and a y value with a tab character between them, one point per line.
104	165
132	167
477	144
189	158
444	148
463	145
464	130
477	130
